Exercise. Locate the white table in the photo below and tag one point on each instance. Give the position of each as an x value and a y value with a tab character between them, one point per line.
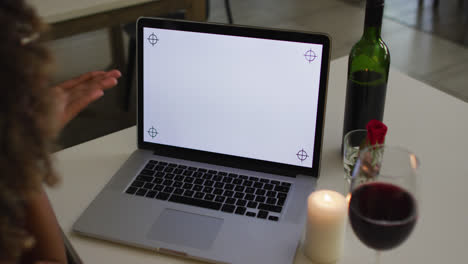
68	17
428	122
54	11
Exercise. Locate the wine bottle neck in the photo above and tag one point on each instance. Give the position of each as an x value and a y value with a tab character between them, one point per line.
373	19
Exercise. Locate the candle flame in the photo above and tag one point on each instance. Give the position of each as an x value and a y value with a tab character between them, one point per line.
327	198
414	161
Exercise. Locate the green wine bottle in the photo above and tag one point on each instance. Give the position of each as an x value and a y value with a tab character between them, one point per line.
368	66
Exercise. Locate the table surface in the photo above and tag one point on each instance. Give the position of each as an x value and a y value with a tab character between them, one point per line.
430	123
53	11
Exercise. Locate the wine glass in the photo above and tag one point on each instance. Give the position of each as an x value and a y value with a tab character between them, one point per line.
383	204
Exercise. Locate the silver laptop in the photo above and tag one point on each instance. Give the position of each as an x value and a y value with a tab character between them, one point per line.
230	123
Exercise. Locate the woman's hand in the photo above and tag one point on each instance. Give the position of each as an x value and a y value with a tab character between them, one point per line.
74	95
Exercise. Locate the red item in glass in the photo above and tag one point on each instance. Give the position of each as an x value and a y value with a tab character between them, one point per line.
376	132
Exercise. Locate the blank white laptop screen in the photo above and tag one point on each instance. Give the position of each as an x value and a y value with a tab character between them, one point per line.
240	96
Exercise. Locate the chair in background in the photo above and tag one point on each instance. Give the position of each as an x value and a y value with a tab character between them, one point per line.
130	29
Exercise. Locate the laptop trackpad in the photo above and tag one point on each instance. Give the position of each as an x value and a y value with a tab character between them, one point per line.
182	228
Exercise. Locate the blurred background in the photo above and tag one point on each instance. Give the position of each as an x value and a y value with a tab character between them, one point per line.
427	40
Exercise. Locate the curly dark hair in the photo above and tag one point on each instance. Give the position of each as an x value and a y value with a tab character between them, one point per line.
27	128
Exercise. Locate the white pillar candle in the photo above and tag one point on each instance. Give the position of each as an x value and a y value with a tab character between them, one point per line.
325	228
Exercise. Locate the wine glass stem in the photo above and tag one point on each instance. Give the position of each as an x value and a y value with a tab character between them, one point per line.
377	257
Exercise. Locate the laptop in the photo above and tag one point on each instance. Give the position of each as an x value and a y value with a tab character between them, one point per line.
230	127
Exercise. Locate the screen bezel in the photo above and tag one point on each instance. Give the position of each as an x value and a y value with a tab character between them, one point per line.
244	31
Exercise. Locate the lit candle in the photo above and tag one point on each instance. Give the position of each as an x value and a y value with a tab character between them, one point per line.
326	220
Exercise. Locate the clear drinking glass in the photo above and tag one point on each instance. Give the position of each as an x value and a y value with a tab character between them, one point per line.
383	205
351	144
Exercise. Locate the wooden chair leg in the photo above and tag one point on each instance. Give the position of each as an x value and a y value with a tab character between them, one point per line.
118	58
130	73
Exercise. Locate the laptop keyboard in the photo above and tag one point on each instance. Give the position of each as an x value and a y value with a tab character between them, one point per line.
216	190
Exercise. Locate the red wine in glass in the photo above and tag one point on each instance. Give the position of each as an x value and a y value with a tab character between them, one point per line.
382	215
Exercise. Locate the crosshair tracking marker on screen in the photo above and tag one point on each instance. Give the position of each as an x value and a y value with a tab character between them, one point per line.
302	155
310	56
153	39
152	132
